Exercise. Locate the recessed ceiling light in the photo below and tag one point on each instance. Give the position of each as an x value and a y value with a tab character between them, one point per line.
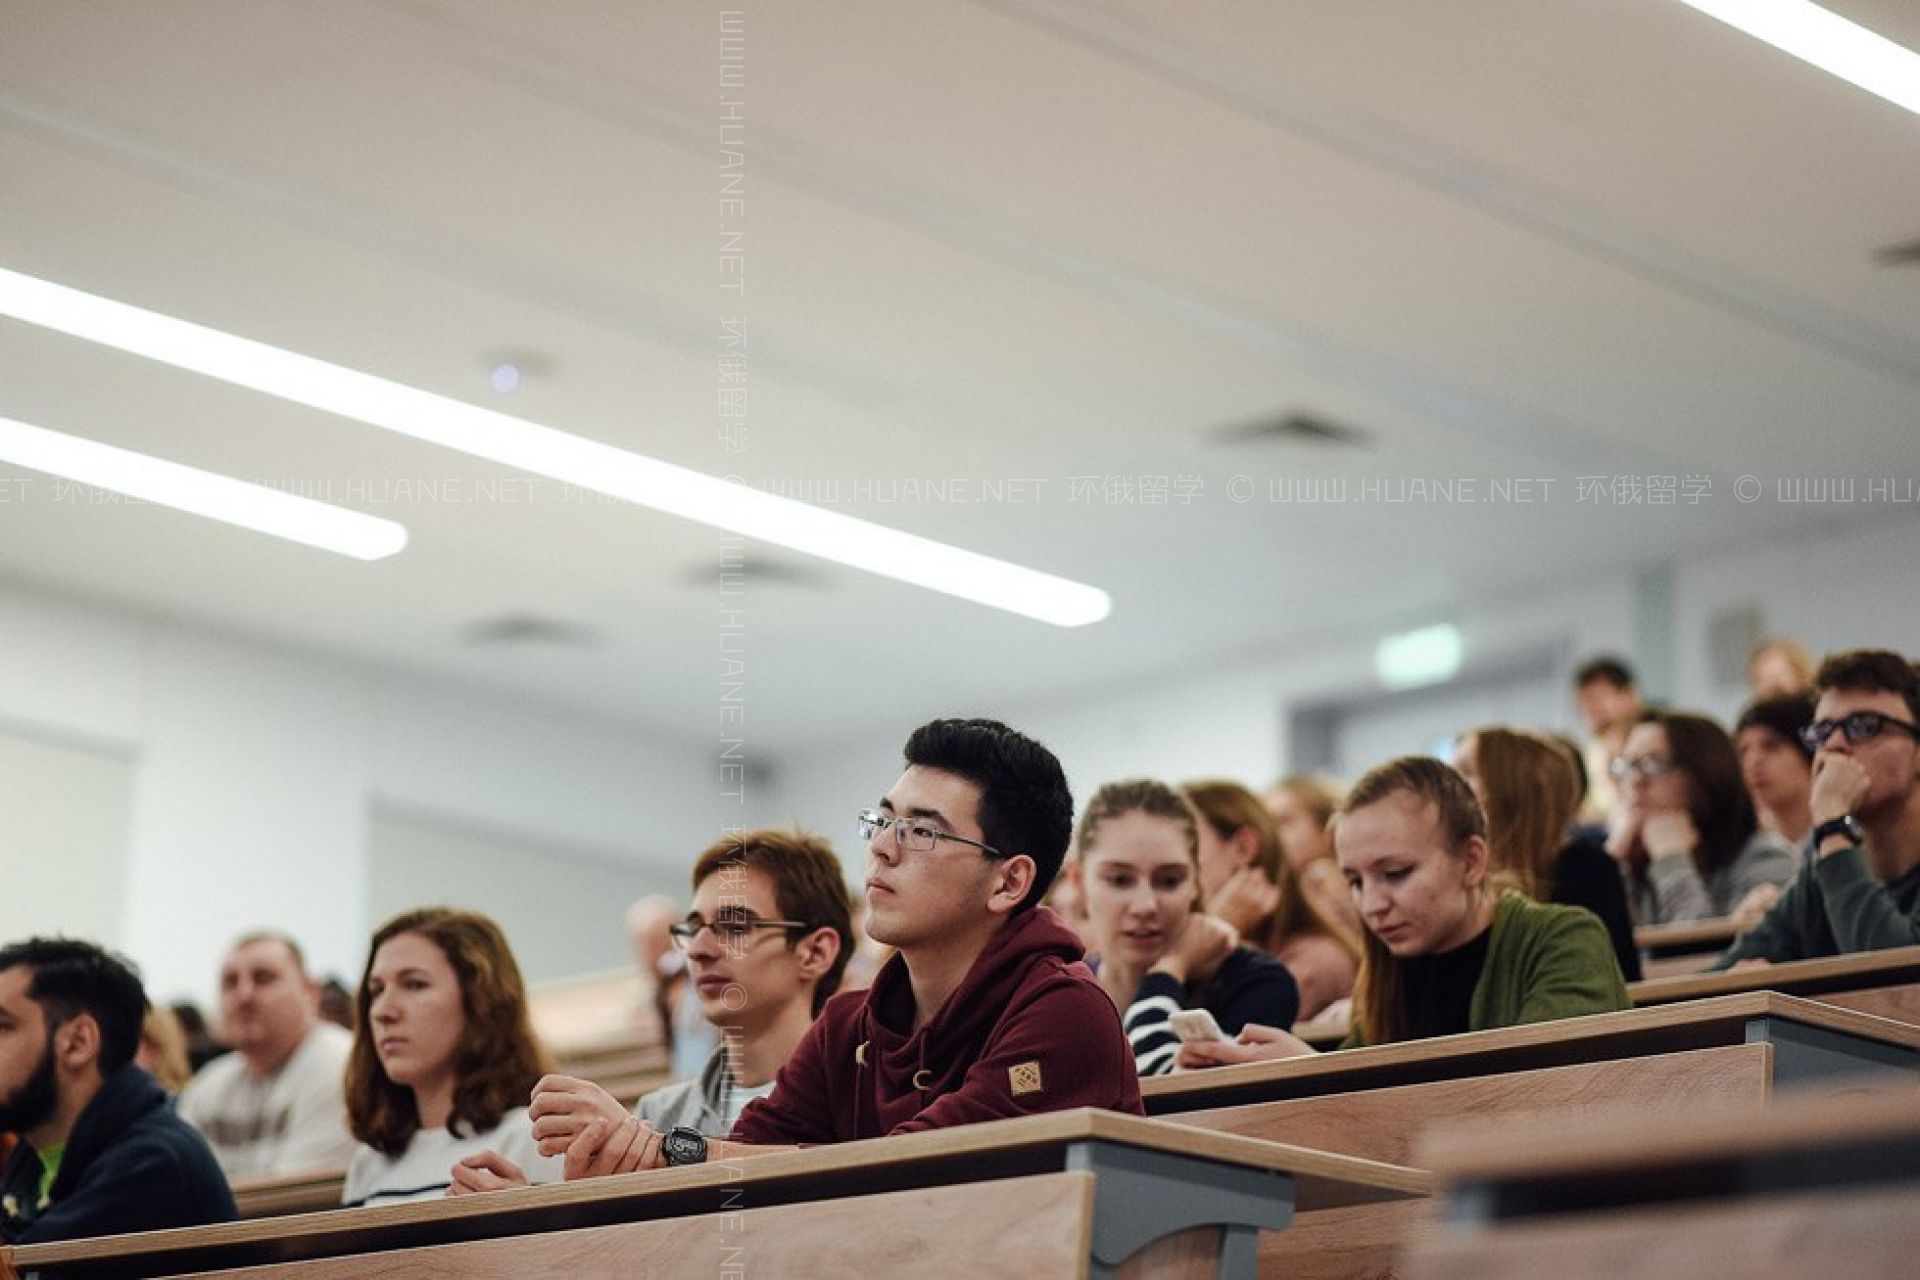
202	493
1414	658
504	377
558	455
1828	41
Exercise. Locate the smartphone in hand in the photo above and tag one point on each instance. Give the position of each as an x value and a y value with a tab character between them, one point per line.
1194	1024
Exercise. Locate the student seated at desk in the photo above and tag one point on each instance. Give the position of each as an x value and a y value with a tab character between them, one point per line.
1687	838
766	943
1529	787
443	1054
984	1012
1159	953
99	1152
1445	951
1860	889
1246	880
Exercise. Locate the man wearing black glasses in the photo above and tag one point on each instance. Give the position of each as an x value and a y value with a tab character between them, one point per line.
1860	889
986	1009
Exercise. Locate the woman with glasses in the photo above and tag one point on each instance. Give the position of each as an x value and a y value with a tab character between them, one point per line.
1136	855
1686	837
443	1060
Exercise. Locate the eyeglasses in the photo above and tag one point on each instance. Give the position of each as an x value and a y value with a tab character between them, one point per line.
1861	726
1648	767
916	835
732	931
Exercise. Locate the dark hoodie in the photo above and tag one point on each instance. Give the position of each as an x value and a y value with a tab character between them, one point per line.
1027	1030
131	1164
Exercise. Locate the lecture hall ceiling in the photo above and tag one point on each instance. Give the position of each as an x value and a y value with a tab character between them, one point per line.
1013	270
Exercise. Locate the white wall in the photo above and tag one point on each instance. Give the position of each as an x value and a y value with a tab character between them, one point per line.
255	771
1857	584
63	822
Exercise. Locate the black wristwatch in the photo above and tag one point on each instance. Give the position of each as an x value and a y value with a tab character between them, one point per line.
685	1146
1846	825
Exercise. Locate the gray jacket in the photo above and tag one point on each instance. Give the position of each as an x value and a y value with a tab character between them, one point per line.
693	1104
1674	890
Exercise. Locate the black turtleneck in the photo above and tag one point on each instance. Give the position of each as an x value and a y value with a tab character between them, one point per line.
1439	988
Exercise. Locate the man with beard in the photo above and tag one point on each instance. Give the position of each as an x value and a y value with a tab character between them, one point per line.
100	1152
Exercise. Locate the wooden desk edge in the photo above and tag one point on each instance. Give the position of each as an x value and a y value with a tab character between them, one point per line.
1680	938
1386	1181
1901	962
1737	1007
1609	1145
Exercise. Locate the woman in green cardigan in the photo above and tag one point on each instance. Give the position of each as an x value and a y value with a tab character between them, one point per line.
1446	949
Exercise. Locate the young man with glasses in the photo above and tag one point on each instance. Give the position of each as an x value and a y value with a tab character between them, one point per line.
1860	890
986	1009
766	943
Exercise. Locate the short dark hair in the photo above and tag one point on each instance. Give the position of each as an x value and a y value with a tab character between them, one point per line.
1785	715
1870	671
1613	670
71	977
1025	806
808	886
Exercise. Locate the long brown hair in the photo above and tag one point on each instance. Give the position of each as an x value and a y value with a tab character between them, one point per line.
1530	787
1717	798
498	1059
1229	808
1379	993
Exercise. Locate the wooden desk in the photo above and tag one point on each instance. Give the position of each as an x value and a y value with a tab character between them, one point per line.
1896	1004
1812	978
1812	1043
1389	1124
1854	1234
1694	937
1100	1187
294	1193
1815	1186
1810	1144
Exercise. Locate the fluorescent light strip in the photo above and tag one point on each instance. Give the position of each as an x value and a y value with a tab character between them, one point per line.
201	493
558	455
1828	41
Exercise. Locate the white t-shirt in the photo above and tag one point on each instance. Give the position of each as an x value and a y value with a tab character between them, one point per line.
424	1170
293	1121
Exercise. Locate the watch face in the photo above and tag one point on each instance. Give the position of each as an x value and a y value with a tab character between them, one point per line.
685	1146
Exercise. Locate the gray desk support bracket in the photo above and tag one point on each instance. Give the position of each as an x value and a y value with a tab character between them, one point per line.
1804	1055
1140	1196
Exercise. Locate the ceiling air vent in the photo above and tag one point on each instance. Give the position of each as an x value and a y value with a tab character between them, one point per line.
527	630
1294	428
754	571
1899	255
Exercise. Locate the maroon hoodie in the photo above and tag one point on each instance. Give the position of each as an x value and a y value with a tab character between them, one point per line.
1027	1030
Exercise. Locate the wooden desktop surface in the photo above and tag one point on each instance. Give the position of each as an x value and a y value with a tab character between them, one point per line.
1669	1028
998	1149
1687	938
1619	1146
1891	967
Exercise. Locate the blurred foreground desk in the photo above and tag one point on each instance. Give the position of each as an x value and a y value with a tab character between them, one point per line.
1076	1193
1819	1186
